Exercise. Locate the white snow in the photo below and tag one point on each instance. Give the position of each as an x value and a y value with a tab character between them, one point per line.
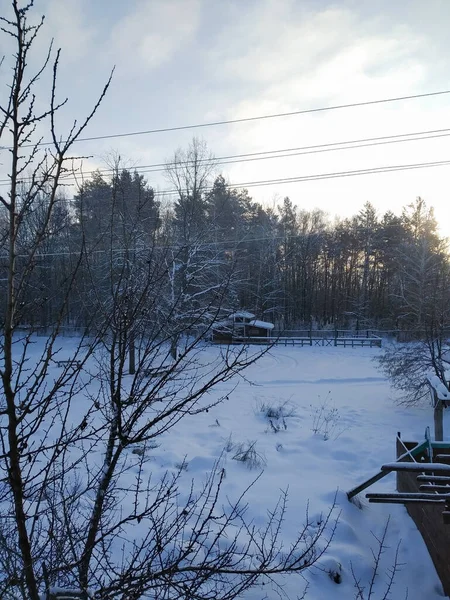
441	391
242	314
337	426
262	324
361	439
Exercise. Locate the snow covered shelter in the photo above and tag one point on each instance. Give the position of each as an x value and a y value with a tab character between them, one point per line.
241	326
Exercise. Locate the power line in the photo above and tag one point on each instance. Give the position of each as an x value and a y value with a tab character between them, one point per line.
176	246
304	151
321	176
315	177
282	153
249	119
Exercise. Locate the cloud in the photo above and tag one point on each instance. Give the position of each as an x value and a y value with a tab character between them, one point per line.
291	59
154	32
279	52
279	56
66	22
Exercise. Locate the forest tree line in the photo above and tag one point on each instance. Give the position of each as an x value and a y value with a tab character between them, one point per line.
292	266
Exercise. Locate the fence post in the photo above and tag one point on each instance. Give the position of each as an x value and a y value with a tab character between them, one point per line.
438	418
438	406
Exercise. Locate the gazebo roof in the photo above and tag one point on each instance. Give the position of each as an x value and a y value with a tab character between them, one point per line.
243	314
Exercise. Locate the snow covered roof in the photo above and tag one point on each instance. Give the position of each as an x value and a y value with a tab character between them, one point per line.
229	325
243	314
446	354
262	324
441	391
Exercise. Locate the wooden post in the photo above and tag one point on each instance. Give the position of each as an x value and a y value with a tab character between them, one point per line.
400	449
438	416
438	420
438	406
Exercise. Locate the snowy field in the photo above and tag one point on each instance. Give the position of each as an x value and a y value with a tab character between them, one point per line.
337	425
359	421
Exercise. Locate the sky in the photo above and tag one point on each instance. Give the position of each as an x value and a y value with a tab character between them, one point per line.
184	62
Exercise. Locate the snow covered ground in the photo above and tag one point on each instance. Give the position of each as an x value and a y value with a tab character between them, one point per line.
337	426
340	393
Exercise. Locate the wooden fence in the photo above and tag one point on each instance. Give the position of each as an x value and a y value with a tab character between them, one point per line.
313	340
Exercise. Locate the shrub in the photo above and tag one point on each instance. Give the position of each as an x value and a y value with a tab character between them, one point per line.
276	414
326	420
247	454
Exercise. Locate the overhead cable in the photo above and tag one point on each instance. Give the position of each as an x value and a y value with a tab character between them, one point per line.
250	119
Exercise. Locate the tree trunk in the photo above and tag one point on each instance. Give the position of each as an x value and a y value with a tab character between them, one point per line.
132	356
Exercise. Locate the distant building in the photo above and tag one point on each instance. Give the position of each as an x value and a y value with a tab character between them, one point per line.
241	326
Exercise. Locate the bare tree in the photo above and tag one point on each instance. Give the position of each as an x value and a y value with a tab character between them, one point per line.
191	258
190	172
424	300
374	585
28	399
78	506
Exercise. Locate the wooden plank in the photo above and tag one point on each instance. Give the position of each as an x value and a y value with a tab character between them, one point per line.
366	484
404	501
410	496
434	478
444	458
411	453
442	445
417	467
431	487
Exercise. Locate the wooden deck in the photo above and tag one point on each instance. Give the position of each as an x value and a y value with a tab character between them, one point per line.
423	486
